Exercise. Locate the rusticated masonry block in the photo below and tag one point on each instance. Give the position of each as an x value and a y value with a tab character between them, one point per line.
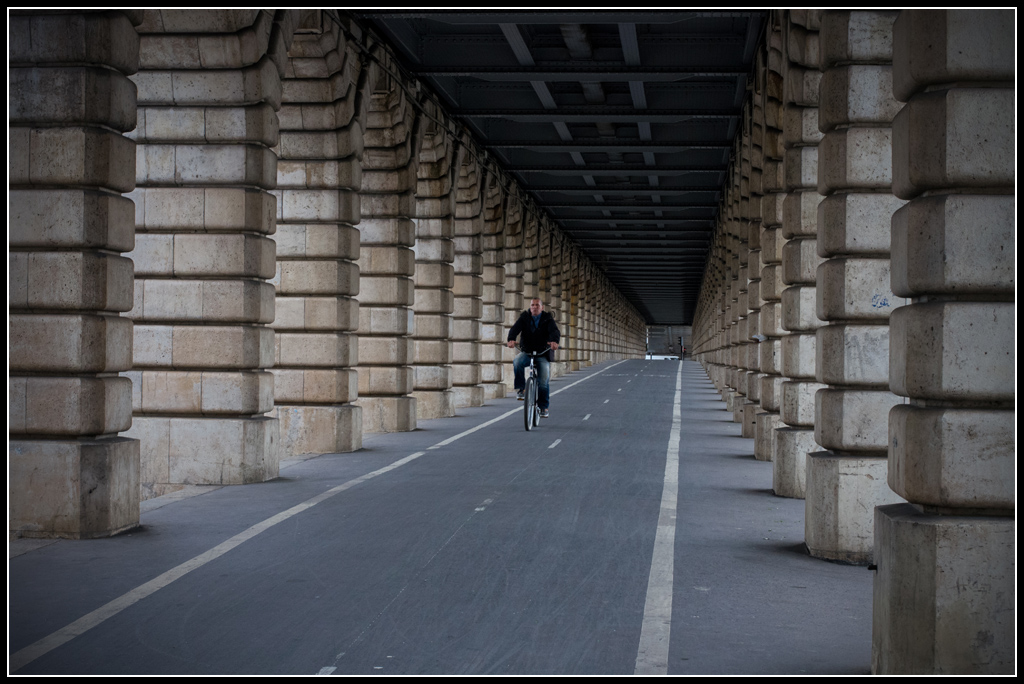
954	351
855	289
952	458
950	46
961	137
939	241
856	223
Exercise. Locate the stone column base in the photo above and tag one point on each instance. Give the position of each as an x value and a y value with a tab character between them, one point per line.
841	495
557	369
434	404
468	396
943	594
729	397
388	414
71	489
766	423
494	390
749	423
789	467
309	429
221	451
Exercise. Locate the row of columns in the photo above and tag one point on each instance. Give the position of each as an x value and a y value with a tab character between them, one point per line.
876	282
238	235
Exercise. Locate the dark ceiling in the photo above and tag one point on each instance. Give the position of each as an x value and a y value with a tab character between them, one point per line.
619	124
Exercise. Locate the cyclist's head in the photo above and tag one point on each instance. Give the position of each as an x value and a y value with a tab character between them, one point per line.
536	306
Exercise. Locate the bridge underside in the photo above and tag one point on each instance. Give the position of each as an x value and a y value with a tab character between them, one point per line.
238	236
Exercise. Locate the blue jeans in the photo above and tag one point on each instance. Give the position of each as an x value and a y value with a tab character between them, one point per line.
543	377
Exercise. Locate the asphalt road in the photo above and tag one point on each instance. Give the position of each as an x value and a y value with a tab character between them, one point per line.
468	546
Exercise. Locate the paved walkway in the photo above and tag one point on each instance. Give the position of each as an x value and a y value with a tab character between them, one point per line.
467	547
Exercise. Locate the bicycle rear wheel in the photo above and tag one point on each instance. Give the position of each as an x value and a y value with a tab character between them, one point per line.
529	402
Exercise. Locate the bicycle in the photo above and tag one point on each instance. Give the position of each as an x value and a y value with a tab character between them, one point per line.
531	414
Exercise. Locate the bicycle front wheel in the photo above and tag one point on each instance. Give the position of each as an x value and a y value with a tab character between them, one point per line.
536	408
529	402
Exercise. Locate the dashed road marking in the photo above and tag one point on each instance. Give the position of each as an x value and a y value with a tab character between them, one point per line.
586	417
554	444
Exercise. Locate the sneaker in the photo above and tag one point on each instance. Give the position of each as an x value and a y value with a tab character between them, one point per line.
543	413
519	395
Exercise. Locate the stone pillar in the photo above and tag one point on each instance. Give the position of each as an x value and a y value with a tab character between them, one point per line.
543	264
586	315
531	260
435	274
318	177
760	171
752	406
514	256
770	322
556	304
736	330
799	137
571	288
469	268
69	101
944	589
846	482
712	307
386	259
209	87
492	331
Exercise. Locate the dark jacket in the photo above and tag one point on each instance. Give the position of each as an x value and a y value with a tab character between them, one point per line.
535	339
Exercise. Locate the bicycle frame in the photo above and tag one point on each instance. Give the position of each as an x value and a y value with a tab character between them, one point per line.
531	414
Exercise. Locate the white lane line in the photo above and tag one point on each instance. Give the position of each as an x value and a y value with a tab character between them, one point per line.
326	670
619	390
652	655
606	401
109	610
83	624
586	417
554	444
588	377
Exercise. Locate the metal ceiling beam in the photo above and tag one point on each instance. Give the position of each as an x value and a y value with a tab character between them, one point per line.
576	73
616	189
594	114
667	224
601	145
630	206
614	169
548	17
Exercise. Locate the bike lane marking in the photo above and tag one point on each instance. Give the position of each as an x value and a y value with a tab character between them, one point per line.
652	653
36	650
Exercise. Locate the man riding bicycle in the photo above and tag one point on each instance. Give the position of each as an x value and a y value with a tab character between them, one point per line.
539	333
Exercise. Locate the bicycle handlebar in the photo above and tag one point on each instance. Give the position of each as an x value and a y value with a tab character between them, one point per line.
534	354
